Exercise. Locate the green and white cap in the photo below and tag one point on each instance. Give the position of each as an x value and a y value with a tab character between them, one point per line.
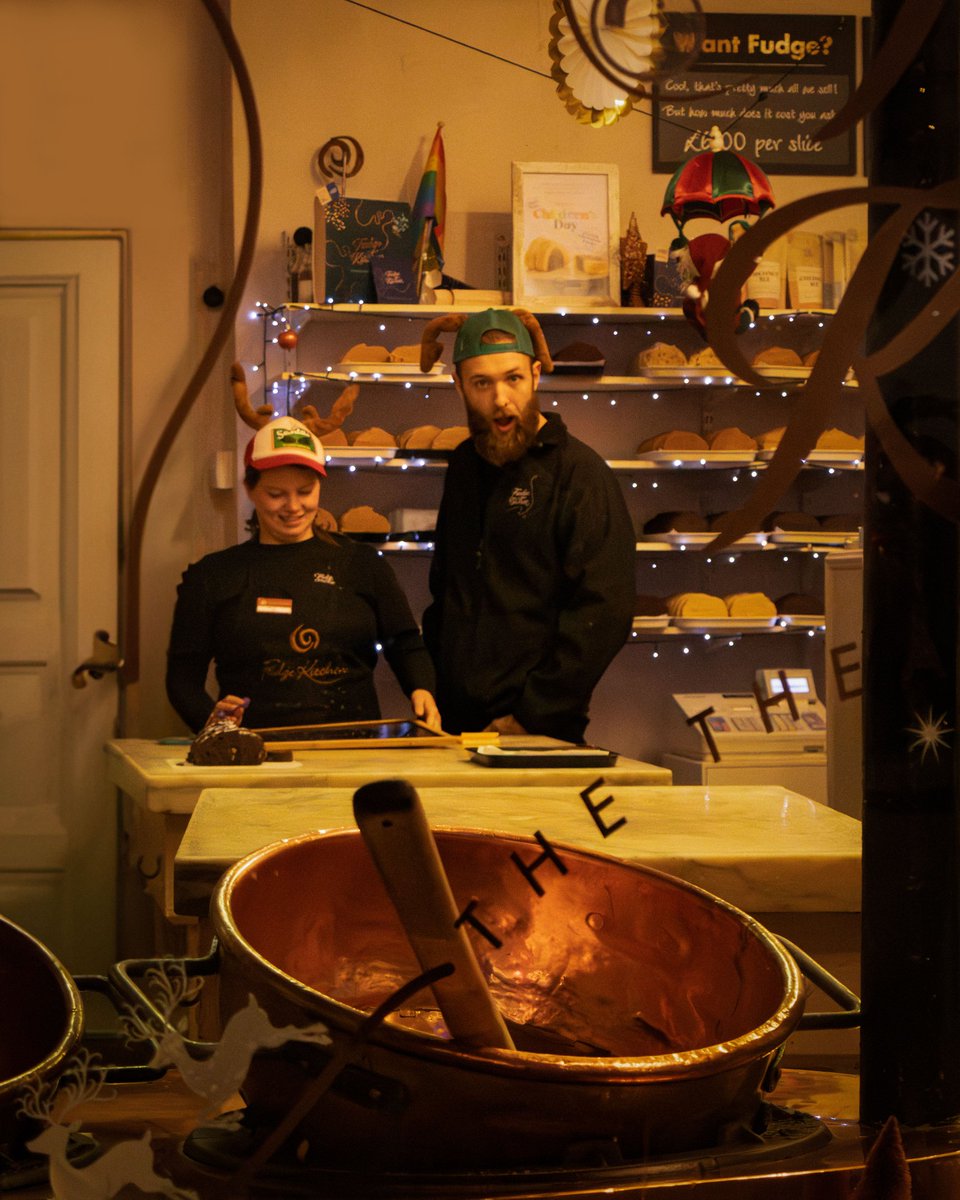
469	341
285	442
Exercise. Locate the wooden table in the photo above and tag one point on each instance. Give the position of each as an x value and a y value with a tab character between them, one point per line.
159	791
792	863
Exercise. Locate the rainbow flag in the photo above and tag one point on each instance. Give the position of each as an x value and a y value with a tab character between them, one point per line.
430	210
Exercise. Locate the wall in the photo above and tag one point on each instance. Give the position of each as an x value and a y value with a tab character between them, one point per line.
112	116
330	68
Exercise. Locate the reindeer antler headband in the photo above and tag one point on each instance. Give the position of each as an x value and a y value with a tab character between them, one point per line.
431	349
256	418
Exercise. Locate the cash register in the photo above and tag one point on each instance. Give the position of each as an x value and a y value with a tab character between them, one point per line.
775	734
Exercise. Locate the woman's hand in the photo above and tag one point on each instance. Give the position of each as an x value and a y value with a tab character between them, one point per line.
229	708
425	709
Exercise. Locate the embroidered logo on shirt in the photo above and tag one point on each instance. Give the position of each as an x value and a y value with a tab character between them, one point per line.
321	673
275	604
323	577
521	499
303	639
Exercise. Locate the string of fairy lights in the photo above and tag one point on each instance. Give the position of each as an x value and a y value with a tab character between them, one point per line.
278	331
281	327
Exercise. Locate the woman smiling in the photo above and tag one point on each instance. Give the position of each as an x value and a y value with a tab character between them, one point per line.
294	618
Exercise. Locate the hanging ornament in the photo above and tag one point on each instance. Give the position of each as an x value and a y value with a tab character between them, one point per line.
579	41
287	339
717	184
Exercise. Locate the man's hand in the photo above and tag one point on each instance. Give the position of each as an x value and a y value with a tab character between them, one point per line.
505	725
425	709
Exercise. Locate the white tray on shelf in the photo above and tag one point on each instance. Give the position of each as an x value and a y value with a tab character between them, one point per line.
836	458
801	621
387	368
722	624
688	373
824	458
698	459
769	371
651	624
352	453
811	537
677	538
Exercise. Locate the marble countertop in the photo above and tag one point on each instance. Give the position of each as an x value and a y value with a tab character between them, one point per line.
764	849
155	774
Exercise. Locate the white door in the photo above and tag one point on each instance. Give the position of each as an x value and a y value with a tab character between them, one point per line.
61	312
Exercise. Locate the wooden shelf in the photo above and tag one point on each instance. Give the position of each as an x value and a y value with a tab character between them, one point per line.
557	383
715	636
371	459
426	312
658	549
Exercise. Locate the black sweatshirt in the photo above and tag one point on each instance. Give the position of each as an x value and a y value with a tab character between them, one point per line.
294	627
533	585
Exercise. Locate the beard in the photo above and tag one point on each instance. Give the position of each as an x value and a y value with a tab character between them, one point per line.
499	449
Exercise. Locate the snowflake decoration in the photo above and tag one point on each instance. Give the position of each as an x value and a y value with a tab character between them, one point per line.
400	223
928	250
930	735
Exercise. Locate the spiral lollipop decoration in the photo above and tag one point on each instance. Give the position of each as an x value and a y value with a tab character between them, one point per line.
340	158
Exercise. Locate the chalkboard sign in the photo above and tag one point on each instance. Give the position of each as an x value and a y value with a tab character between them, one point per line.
768	82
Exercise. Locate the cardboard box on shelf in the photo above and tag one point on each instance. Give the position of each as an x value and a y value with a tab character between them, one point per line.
767	285
834	268
804	270
413	520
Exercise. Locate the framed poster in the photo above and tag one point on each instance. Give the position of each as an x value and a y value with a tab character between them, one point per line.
566	223
769	81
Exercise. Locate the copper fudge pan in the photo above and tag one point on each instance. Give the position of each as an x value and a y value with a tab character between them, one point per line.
667	1005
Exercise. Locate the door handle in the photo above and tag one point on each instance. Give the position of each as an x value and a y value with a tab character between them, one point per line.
104	660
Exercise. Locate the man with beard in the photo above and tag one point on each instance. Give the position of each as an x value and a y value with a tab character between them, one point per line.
533	573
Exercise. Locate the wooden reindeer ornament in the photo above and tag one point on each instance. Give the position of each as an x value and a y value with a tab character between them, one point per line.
431	349
256	418
215	1078
126	1164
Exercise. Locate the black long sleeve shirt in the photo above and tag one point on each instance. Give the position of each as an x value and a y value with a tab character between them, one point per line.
533	585
297	628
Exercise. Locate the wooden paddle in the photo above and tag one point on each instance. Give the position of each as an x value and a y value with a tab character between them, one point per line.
395	829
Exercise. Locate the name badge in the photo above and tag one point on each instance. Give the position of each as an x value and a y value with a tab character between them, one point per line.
274	604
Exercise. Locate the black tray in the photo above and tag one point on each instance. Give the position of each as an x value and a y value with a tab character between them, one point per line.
537	756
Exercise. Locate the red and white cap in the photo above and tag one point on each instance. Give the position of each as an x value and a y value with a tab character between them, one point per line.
285	442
